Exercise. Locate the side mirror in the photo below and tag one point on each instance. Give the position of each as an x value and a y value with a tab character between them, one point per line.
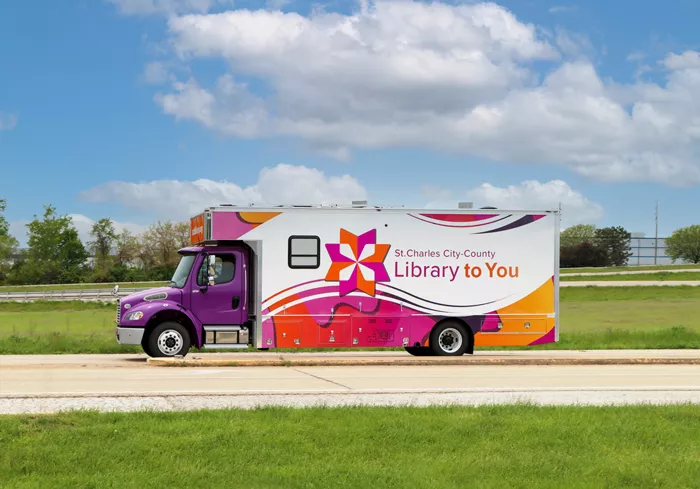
211	264
115	290
203	274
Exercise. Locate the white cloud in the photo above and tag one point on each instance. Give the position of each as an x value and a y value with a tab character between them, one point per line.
283	184
636	56
156	73
437	193
8	121
532	194
560	9
276	4
689	60
232	109
573	44
166	7
456	78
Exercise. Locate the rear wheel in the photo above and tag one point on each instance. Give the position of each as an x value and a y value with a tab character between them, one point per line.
168	339
449	338
419	351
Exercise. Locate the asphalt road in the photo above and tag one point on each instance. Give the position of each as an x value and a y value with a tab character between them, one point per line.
125	382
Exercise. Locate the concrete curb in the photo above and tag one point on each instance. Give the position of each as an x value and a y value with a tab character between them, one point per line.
337	393
331	362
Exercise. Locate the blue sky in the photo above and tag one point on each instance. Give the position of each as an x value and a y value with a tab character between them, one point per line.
86	127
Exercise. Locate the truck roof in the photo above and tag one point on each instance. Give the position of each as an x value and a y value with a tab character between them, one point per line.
191	249
368	208
237	220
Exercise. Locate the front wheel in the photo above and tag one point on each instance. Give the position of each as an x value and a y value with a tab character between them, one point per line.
449	339
168	340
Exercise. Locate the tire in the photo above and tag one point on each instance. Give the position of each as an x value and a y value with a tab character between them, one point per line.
146	348
168	339
419	351
449	338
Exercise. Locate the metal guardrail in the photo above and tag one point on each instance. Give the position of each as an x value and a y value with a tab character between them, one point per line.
67	295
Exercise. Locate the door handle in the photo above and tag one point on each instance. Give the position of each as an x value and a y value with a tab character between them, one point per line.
235	302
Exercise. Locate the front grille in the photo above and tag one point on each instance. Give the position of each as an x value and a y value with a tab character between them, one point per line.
119	310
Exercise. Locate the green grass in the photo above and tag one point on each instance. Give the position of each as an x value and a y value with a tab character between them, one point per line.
661	276
109	286
640	293
591	318
435	447
630	268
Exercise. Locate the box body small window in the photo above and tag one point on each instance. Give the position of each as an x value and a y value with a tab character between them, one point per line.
304	252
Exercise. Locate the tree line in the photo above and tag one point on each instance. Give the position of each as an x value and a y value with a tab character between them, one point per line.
585	245
56	254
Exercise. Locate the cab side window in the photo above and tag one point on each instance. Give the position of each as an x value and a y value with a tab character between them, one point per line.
217	269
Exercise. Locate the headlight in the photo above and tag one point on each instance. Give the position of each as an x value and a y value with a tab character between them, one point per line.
134	316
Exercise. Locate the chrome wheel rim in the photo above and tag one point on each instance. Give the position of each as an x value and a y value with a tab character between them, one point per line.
170	342
450	340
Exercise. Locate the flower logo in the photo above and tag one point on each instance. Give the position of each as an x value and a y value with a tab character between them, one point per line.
357	262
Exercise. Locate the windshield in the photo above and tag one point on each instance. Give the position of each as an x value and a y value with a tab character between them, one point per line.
182	271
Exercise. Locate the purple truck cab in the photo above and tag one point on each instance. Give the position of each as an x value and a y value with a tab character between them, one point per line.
206	304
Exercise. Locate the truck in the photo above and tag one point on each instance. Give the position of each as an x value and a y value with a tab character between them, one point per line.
431	282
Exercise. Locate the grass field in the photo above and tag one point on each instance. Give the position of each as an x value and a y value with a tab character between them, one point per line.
631	268
358	447
660	276
591	318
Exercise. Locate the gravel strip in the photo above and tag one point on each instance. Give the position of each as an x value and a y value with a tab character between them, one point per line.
186	403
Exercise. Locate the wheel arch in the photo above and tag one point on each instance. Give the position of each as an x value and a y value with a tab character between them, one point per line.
175	316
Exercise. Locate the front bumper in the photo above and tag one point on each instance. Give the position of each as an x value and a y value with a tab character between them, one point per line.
129	336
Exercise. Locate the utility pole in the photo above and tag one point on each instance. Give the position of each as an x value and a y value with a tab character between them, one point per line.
656	235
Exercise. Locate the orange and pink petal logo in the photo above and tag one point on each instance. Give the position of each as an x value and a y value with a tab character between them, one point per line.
357	262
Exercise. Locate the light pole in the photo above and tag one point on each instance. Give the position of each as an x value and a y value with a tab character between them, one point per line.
656	234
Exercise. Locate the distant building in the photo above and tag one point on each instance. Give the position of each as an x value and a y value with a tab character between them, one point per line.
644	249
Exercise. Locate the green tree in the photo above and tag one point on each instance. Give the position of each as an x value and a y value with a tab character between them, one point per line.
616	242
8	243
55	252
684	244
576	235
182	234
128	252
104	236
162	241
127	248
583	255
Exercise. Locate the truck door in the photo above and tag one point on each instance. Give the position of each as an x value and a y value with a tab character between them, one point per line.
218	293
